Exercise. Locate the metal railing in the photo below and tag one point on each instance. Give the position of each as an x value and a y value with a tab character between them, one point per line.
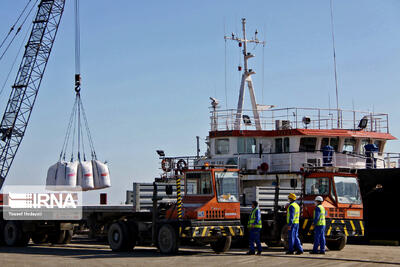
294	161
293	118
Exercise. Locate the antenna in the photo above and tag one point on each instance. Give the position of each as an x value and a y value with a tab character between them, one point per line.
246	76
334	65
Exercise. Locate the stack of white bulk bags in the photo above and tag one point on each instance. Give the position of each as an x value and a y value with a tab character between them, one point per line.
79	173
89	175
101	175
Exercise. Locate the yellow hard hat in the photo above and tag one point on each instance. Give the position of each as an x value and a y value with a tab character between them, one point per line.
292	196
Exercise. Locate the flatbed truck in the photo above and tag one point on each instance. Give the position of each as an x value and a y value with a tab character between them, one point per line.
208	212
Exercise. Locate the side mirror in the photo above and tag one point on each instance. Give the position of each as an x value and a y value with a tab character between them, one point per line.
293	183
168	189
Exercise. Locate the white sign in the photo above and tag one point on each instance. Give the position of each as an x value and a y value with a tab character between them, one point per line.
42	203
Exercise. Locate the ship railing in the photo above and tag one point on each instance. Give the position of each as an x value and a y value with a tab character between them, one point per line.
295	161
299	118
392	159
173	167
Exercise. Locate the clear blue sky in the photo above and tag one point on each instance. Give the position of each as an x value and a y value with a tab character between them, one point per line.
149	68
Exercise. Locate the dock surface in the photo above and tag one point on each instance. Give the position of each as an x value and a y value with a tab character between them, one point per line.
85	253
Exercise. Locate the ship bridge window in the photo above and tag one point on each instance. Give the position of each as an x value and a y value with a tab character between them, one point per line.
333	142
282	145
364	142
307	144
222	146
349	145
246	145
379	144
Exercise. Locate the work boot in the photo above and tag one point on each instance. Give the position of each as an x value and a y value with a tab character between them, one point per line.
314	252
289	252
258	253
322	252
299	252
250	253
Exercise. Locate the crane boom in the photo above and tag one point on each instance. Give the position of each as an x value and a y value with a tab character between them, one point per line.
28	80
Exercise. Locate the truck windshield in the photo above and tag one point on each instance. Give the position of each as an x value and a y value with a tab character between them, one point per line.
198	183
347	190
317	186
227	186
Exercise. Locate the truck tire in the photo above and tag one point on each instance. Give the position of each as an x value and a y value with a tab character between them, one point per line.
222	245
167	239
14	235
57	238
337	244
119	237
39	238
68	236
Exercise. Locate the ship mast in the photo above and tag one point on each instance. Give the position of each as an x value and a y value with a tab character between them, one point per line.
246	77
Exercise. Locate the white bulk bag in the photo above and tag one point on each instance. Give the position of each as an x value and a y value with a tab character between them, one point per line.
60	176
101	175
67	173
51	175
71	174
85	175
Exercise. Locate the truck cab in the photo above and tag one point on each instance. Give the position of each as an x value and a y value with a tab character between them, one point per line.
210	194
207	209
342	203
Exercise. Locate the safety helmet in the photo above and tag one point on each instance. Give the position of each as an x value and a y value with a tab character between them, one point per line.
319	198
292	196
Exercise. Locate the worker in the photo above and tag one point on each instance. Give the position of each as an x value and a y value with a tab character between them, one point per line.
254	225
319	227
292	217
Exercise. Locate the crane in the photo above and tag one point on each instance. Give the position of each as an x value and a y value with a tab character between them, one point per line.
27	82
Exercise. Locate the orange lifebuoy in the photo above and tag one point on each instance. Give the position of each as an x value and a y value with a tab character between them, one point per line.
166	165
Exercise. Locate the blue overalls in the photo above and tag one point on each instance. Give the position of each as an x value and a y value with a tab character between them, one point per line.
319	232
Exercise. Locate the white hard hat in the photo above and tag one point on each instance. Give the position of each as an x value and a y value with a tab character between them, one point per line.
319	198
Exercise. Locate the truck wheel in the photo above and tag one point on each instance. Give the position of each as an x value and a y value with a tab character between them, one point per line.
68	236
119	237
14	235
39	238
284	237
57	237
222	245
337	244
167	239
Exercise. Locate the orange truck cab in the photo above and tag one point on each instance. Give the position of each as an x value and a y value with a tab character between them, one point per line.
342	203
210	208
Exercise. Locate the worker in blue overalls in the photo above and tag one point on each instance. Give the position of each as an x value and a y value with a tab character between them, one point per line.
319	224
254	225
293	217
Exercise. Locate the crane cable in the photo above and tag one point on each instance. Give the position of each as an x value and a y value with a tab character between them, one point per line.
13	64
78	122
15	23
77	39
16	33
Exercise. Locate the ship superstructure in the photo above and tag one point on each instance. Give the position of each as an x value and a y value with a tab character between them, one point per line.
265	141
